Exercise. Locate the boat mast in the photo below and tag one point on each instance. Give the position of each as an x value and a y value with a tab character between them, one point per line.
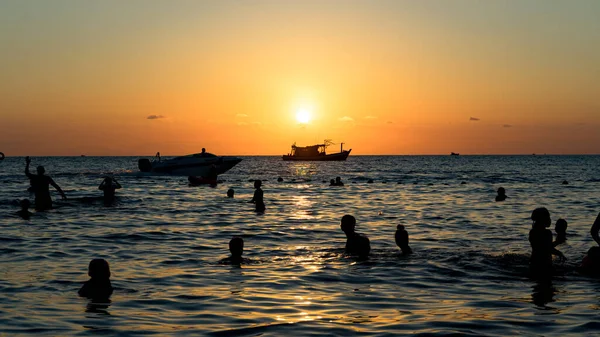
341	147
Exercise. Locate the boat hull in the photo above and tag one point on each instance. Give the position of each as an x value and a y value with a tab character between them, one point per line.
328	157
192	167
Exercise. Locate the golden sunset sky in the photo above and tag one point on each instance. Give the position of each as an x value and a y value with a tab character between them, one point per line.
385	77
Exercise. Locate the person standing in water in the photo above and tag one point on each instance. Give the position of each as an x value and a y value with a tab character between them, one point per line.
41	187
109	185
501	194
356	243
401	237
257	199
541	242
98	287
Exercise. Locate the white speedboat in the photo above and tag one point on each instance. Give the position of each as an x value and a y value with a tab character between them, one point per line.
198	164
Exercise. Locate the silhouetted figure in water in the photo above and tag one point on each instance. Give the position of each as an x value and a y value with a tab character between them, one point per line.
279	180
109	186
356	244
501	194
561	232
332	182
257	199
338	181
595	229
236	247
41	187
98	287
591	262
402	240
370	181
540	239
230	193
212	173
24	212
565	182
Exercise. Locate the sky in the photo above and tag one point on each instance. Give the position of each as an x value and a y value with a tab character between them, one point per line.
384	77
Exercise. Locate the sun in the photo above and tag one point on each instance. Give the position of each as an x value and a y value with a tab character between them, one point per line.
303	116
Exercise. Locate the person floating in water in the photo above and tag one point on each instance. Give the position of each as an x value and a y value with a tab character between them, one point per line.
356	244
24	212
236	247
98	287
40	184
258	197
230	193
501	194
561	232
401	237
109	185
540	239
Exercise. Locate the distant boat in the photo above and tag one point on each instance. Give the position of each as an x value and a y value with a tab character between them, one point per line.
454	154
197	164
316	153
83	155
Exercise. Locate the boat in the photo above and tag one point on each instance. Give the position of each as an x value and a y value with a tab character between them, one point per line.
197	164
316	153
454	154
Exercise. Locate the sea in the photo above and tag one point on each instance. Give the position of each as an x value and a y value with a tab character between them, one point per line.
166	242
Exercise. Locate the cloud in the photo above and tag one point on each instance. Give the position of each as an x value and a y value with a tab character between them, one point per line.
474	119
241	115
155	117
507	126
371	117
346	119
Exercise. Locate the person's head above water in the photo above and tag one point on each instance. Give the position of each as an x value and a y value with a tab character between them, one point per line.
348	224
332	181
561	226
236	246
99	269
108	180
257	183
541	217
338	179
501	191
25	204
230	193
41	170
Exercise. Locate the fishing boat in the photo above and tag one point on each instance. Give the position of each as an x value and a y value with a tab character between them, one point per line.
198	164
454	154
316	153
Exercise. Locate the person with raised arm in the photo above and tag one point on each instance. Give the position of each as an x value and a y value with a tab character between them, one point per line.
40	184
109	186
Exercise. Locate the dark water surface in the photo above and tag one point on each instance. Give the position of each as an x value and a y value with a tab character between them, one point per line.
164	241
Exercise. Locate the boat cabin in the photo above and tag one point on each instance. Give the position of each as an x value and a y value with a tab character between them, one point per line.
308	151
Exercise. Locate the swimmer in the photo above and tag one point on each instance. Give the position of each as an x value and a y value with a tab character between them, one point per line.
279	180
338	181
356	244
402	240
561	232
40	184
540	239
236	247
98	287
24	212
595	229
501	194
230	193
257	199
109	185
591	262
332	182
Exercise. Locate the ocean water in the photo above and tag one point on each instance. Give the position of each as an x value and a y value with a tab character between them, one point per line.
164	240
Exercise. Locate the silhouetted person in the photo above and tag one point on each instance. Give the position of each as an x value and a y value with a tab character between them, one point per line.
257	199
109	186
41	187
212	173
401	237
565	182
595	229
24	212
236	247
501	194
370	181
356	244
230	193
591	262
561	232
279	180
332	182
98	287
338	181
203	152
540	239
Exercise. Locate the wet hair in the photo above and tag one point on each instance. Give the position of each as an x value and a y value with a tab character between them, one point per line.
501	191
541	216
561	225
99	268
348	223
230	193
25	203
257	183
236	246
41	170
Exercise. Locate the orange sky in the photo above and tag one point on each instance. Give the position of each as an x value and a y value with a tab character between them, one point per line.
385	77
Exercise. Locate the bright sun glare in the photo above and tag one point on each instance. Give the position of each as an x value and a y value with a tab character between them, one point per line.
303	116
